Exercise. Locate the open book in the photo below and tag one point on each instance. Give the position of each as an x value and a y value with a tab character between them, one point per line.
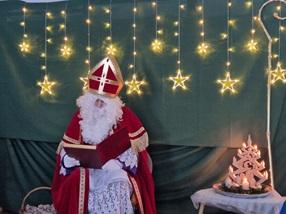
95	156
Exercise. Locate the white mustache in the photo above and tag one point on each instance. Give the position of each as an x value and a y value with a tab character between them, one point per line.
98	112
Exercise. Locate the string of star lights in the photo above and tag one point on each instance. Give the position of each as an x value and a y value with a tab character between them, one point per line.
111	47
252	45
24	46
134	85
66	49
46	85
279	73
157	45
88	48
204	47
228	84
179	80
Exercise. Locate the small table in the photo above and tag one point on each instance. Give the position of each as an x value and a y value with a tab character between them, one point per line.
271	204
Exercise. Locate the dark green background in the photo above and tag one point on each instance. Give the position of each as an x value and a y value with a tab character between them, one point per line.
191	132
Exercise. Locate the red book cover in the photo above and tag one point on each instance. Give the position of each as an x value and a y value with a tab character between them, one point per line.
95	156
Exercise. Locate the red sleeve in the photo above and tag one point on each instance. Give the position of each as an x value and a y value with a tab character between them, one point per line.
66	190
134	125
72	133
70	192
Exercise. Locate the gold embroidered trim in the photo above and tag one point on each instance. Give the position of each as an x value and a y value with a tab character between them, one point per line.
139	131
139	144
137	193
60	146
79	146
81	190
71	140
112	82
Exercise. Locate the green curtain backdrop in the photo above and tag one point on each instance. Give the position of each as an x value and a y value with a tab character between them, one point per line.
200	116
193	133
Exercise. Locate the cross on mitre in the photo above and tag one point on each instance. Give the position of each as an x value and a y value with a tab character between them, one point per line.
106	78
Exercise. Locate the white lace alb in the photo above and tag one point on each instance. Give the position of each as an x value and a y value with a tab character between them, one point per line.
114	199
129	158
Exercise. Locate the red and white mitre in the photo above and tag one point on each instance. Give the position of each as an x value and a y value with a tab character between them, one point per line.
106	78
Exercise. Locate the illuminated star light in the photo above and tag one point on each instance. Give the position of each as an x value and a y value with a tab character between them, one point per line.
157	46
278	74
24	47
179	80
111	50
66	51
203	49
46	86
85	83
134	85
228	83
252	46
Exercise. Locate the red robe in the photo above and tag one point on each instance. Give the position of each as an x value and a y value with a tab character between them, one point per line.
70	193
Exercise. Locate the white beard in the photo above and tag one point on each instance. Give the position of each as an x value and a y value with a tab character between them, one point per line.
98	123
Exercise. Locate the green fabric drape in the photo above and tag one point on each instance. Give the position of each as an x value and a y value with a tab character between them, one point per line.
179	171
192	133
200	116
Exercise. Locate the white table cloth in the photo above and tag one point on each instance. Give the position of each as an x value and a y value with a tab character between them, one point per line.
270	204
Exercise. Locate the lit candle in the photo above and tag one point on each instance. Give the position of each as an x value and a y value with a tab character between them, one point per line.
228	182
266	175
245	184
244	145
259	153
234	160
252	183
238	180
230	169
255	147
263	164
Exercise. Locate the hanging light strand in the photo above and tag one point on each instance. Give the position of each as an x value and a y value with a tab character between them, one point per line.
252	44
46	44
24	21
134	35
134	85
279	73
24	45
111	48
110	20
46	85
228	63
157	18
228	84
179	80
88	22
279	32
84	79
203	48
66	49
157	45
179	37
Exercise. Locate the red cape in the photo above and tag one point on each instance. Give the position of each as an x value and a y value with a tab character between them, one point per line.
70	193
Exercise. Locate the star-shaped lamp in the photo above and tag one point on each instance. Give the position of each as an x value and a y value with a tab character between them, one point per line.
252	46
66	51
134	85
25	47
278	74
179	80
46	86
228	84
85	82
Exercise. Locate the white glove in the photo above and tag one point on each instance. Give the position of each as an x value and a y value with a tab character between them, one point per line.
69	162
